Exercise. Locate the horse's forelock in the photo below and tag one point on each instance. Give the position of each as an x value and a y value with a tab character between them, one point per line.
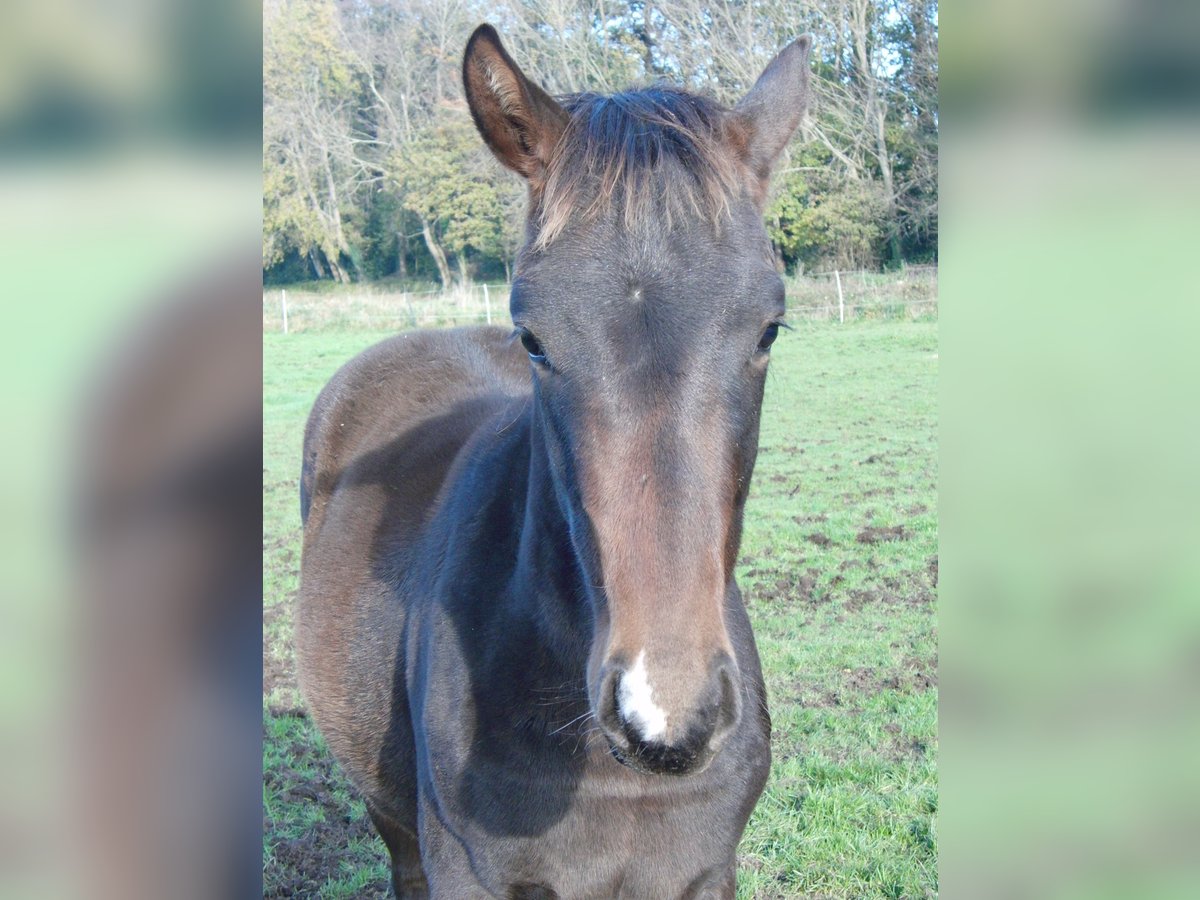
654	154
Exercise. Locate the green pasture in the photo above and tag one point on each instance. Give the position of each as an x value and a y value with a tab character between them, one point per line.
839	569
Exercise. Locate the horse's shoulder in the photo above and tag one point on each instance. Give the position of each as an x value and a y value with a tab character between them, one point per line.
396	384
448	359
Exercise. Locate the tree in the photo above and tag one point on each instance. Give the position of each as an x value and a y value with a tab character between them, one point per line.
821	221
311	169
444	182
367	143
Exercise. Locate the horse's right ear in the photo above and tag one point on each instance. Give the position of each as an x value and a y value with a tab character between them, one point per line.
773	108
519	121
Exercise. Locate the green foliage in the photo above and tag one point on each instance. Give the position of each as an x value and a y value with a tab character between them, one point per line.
308	80
384	219
821	221
302	51
444	178
289	221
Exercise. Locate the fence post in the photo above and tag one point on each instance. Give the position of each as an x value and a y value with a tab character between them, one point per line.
841	303
487	303
284	295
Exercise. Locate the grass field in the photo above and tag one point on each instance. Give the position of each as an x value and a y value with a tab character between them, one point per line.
839	569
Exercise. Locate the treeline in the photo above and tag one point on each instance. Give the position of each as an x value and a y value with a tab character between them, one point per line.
372	169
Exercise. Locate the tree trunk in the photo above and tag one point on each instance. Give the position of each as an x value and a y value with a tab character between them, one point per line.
438	254
339	235
461	259
316	264
339	274
402	254
874	109
885	171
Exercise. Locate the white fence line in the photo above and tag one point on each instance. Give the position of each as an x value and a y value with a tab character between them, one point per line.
929	301
474	302
932	301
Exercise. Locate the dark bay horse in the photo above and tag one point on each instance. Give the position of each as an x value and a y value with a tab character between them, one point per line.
518	627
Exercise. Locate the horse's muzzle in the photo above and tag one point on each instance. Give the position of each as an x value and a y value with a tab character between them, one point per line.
658	742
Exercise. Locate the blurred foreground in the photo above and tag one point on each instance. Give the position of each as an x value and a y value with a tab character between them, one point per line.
129	220
1069	626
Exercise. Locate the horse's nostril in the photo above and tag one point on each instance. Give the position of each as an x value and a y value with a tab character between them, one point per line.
730	705
607	711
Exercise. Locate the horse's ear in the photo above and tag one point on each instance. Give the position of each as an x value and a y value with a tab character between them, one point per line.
519	121
773	108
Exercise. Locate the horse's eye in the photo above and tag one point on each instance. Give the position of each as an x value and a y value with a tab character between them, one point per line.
532	346
768	337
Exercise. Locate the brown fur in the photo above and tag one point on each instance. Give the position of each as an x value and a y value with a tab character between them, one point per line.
655	546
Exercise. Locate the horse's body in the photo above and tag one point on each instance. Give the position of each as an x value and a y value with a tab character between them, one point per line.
422	493
518	627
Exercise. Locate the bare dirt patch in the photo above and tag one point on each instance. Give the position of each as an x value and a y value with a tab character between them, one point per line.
877	534
914	595
905	680
786	588
816	518
874	534
851	686
887	491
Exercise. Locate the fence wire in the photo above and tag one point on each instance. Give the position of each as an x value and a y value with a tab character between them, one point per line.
910	292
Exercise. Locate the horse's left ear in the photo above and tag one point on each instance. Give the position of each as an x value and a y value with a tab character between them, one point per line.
519	121
775	105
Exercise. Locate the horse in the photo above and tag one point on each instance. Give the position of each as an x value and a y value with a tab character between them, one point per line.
518	627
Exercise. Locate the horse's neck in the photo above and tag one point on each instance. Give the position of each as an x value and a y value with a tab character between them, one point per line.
547	571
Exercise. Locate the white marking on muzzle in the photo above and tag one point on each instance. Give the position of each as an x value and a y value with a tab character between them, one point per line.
635	698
